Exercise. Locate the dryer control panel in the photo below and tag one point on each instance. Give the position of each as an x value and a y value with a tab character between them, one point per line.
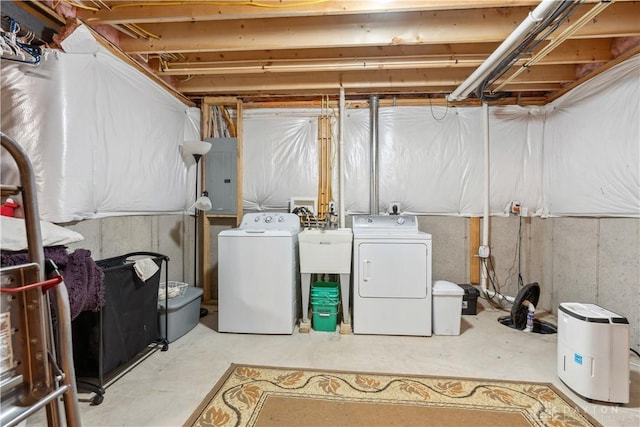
270	221
397	223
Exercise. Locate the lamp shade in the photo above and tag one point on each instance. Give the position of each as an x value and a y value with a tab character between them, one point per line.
196	147
203	203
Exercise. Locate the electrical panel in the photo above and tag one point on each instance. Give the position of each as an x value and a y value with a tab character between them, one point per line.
221	164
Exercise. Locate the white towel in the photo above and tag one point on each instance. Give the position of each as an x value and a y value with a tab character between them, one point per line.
145	268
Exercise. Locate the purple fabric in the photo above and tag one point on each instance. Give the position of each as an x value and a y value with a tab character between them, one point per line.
82	276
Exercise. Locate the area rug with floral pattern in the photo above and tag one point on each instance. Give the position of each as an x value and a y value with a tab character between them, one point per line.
271	396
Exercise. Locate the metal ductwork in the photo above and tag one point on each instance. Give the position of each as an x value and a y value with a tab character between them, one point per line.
373	162
341	215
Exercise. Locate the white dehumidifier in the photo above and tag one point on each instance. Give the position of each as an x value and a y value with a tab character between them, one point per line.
593	352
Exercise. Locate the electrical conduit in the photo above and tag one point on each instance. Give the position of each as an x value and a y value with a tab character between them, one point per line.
502	51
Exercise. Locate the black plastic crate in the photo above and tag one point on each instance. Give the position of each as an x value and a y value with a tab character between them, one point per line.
469	299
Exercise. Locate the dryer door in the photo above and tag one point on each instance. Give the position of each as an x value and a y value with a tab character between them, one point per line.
392	270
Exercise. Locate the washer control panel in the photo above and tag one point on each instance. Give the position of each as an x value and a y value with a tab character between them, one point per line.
270	221
407	223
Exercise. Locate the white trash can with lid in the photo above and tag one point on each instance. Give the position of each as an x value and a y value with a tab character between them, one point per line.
447	308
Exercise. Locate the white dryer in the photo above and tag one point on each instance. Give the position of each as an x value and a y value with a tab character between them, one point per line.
391	276
258	270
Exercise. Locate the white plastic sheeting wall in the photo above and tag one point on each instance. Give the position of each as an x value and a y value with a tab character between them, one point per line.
104	139
576	156
592	146
430	159
280	157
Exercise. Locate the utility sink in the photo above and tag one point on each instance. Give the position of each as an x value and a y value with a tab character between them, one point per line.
325	251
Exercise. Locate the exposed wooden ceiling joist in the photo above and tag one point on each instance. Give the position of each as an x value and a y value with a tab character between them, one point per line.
577	51
433	56
293	48
408	28
396	79
138	12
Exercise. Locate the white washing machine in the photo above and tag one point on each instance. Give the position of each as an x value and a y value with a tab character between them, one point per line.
258	270
391	276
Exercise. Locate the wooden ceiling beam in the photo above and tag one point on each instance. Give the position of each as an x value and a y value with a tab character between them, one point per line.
318	65
372	80
443	50
578	51
406	96
620	19
334	31
141	13
307	47
354	101
571	52
414	28
626	55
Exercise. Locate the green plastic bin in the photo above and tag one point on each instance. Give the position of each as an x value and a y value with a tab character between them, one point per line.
324	316
325	301
325	289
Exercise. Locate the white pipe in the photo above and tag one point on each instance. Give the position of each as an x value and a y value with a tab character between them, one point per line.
560	38
491	293
341	160
487	163
484	273
502	51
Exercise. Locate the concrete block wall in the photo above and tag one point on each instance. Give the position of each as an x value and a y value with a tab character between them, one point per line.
217	225
597	260
451	253
587	260
590	260
450	246
170	235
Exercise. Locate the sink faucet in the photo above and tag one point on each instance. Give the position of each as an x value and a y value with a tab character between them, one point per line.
330	220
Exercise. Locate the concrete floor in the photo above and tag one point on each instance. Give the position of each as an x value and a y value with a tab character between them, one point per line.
165	388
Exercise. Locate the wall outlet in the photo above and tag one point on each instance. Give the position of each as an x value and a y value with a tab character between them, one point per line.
515	207
393	208
484	251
